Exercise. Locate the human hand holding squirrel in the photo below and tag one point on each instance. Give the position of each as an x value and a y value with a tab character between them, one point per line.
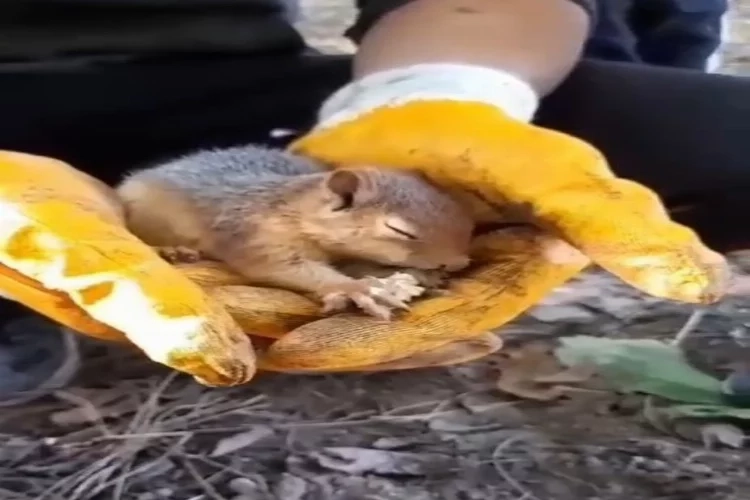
467	128
98	278
66	253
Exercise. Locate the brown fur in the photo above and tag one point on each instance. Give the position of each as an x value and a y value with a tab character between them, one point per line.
284	221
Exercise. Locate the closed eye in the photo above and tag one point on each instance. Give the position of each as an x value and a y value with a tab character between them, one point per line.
402	232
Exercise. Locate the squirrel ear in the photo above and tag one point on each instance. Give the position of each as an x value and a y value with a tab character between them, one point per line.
343	182
348	185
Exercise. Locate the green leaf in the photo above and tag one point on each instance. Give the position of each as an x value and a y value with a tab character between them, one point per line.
708	412
707	423
642	365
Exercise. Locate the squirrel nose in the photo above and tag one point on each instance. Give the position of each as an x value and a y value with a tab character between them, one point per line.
457	264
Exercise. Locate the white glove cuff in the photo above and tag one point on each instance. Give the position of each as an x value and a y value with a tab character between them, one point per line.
424	82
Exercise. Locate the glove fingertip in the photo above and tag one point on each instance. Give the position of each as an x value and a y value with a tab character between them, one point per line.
694	275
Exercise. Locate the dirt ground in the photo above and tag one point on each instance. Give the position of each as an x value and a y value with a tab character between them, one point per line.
130	430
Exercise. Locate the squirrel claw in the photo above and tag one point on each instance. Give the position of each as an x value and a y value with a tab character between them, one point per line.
389	298
397	289
334	302
431	279
375	296
178	254
338	301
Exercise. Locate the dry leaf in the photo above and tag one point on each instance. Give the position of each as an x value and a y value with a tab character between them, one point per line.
242	440
248	489
81	414
290	487
722	434
352	460
532	371
395	443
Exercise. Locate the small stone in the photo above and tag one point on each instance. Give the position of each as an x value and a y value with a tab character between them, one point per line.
164	492
244	486
736	388
394	443
596	464
553	313
290	487
648	465
697	469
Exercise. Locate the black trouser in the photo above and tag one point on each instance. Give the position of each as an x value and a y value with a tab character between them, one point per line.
683	133
675	33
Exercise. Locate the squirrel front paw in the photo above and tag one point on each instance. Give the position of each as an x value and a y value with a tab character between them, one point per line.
375	296
431	279
179	254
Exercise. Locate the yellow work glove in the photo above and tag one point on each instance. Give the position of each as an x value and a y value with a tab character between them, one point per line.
65	252
467	128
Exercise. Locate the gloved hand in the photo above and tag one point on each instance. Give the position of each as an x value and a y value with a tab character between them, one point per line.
467	128
65	252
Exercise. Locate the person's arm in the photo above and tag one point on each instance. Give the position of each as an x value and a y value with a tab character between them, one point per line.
537	40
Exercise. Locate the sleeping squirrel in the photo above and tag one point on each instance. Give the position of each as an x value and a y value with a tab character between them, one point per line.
286	221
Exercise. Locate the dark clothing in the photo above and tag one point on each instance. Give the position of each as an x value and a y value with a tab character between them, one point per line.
137	81
47	33
683	133
71	32
110	85
673	33
372	10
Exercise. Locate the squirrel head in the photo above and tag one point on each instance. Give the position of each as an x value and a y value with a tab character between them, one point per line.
390	217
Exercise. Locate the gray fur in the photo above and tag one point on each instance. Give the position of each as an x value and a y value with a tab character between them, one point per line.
274	217
215	177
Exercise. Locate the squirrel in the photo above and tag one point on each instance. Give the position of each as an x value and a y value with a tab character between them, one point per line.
283	220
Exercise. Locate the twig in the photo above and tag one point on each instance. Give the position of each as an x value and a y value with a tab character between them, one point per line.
513	482
149	407
211	492
141	468
13	495
88	408
400	410
64	486
692	322
96	475
121	480
208	409
161	434
99	475
218	465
